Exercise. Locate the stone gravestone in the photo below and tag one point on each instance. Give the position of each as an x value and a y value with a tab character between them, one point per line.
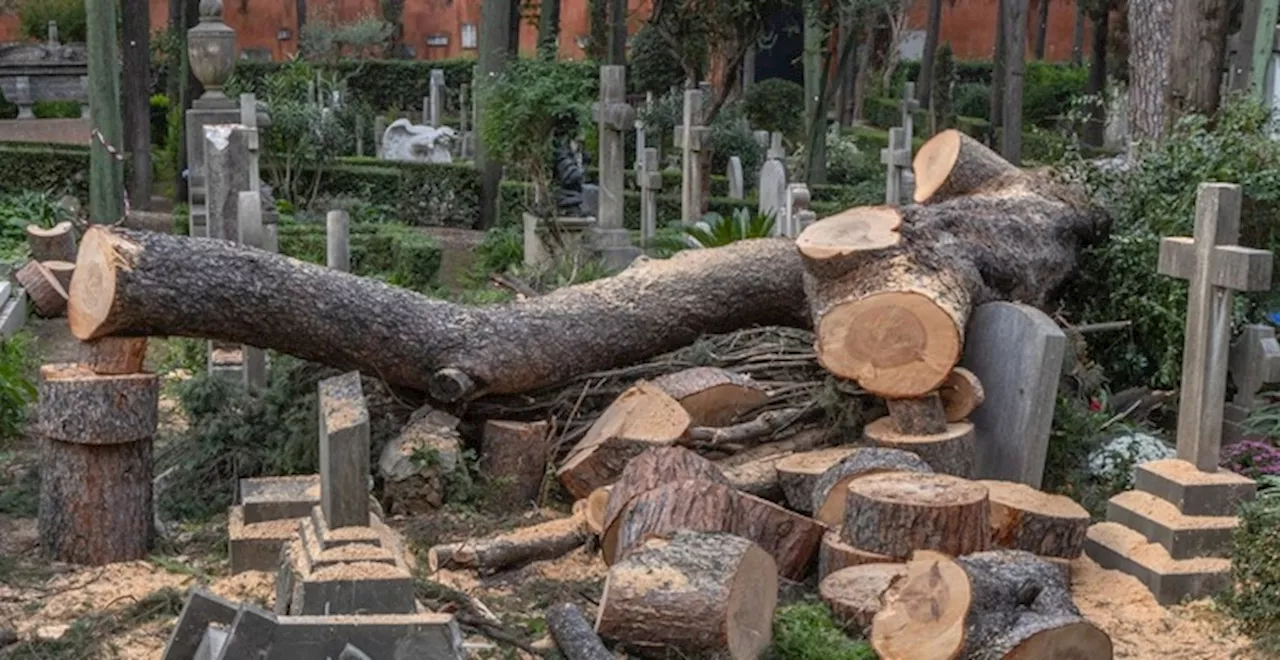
228	172
1254	362
435	111
909	106
344	452
1173	531
762	138
897	159
776	150
773	192
1016	351
736	187
403	140
689	137
797	214
338	240
610	235
649	178
251	233
379	129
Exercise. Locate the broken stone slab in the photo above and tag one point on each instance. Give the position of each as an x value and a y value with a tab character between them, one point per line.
344	451
251	634
1194	492
276	498
382	636
413	466
212	642
256	546
201	609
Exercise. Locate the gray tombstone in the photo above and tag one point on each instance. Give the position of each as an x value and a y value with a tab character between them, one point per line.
344	452
689	137
1016	352
1253	363
435	113
614	116
228	170
773	192
649	178
379	128
338	240
762	138
252	234
736	186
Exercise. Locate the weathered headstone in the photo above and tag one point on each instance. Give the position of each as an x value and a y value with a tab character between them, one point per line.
797	215
689	137
908	106
228	167
776	150
338	240
1254	362
344	452
435	112
897	159
773	192
762	138
252	233
649	178
611	238
1216	267
1016	352
736	187
379	129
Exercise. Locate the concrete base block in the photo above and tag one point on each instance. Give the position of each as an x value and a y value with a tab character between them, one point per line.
347	588
274	498
319	557
1171	581
13	314
385	636
1182	536
331	538
256	546
202	608
1193	492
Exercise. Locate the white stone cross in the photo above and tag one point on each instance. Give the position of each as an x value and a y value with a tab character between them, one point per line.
649	179
689	137
896	158
776	150
1216	267
909	106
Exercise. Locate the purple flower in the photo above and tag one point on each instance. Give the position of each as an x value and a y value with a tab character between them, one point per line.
1252	458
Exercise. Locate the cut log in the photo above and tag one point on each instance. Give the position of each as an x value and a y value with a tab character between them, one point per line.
744	433
62	271
890	314
653	468
706	506
829	488
641	418
1023	518
755	470
95	501
704	594
1004	604
952	164
143	283
961	394
43	289
798	473
597	502
712	396
55	244
836	555
854	593
116	355
896	513
954	451
548	540
513	458
919	416
76	405
803	440
574	636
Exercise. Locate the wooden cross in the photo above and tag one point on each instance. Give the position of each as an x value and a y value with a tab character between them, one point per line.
1216	267
896	158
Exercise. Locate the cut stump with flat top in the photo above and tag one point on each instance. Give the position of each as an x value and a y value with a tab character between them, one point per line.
854	593
702	593
79	406
829	489
712	396
640	418
897	513
922	415
653	468
799	472
513	457
95	501
953	450
57	243
115	355
1023	518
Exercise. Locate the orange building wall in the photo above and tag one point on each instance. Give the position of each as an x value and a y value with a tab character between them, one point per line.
969	27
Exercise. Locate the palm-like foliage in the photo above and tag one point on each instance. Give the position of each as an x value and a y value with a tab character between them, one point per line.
715	230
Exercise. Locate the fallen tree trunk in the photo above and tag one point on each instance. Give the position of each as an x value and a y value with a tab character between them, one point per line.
141	283
1004	604
574	635
547	540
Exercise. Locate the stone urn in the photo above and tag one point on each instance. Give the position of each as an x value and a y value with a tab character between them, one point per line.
211	47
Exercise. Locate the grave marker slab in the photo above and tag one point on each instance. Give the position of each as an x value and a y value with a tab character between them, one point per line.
338	240
649	178
1016	352
690	135
202	608
389	636
897	159
773	192
251	634
614	116
344	452
736	187
252	233
1253	363
435	112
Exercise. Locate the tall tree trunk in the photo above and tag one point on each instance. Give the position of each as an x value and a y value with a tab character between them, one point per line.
548	29
1077	36
186	16
1096	128
300	8
1150	28
1196	57
106	174
862	74
998	73
598	29
1042	28
1015	65
618	32
815	39
137	97
924	84
495	49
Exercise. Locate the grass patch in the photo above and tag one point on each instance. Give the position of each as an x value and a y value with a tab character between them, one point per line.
807	631
89	636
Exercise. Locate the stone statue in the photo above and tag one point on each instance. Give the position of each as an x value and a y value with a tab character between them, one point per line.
571	191
404	140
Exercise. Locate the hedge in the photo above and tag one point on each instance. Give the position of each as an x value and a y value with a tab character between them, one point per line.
56	169
400	255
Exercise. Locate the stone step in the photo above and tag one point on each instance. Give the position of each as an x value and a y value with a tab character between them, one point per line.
13	315
1193	492
319	557
256	546
1183	536
1170	580
274	498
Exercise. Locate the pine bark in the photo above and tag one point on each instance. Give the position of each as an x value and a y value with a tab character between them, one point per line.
1042	28
950	452
649	470
1023	518
574	635
95	501
1196	57
136	88
933	26
1150	34
919	416
712	396
952	164
548	540
76	405
835	555
1015	64
1096	129
513	455
702	593
799	473
116	355
44	290
897	513
57	243
62	271
106	174
829	489
153	285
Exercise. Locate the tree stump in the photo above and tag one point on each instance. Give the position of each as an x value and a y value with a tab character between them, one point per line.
115	355
95	464
829	489
513	457
952	164
961	394
920	416
548	540
653	468
62	271
952	451
799	472
854	593
57	243
712	396
897	513
1003	604
1023	518
702	593
836	555
43	289
640	418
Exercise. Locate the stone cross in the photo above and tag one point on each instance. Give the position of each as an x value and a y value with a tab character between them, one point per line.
614	117
436	100
641	135
53	33
896	158
776	150
762	138
797	215
1254	362
909	105
249	119
649	179
338	241
1216	267
736	186
689	137
344	452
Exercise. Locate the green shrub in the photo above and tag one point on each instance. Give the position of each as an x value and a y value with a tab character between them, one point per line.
34	17
55	169
808	631
56	109
944	72
501	249
17	362
848	164
399	255
732	136
716	230
439	194
653	66
22	208
972	100
1254	603
776	105
1048	91
975	127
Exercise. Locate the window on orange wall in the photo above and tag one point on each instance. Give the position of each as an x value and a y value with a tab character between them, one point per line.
469	35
